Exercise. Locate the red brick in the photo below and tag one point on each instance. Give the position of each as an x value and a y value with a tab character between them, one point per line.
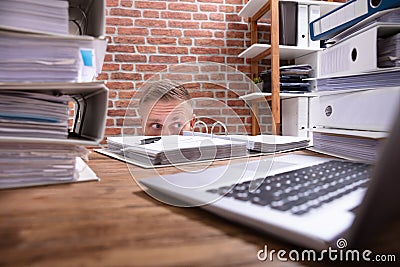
207	112
102	77
121	48
119	85
220	94
119	21
116	112
208	8
197	33
112	131
209	42
129	40
183	7
234	60
177	77
166	32
219	35
150	67
151	14
110	122
111	30
127	66
172	50
238	26
126	3
126	94
110	67
219	17
126	76
150	4
213	25
185	59
133	31
201	94
234	2
233	17
238	35
153	76
204	51
150	23
164	40
146	49
212	1
234	51
198	16
176	15
185	41
125	12
183	24
112	3
130	58
239	43
226	9
122	103
112	94
236	103
163	59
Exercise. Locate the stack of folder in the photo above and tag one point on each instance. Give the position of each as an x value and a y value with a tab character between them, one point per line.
359	74
293	79
41	67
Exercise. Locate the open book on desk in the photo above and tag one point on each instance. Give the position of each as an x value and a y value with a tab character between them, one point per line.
172	150
262	143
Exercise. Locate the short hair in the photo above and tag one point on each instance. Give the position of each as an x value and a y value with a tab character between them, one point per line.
164	90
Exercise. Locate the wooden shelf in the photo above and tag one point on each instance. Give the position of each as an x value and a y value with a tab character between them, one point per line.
254	6
259	51
261	96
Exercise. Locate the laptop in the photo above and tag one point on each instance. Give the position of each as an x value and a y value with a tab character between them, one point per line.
311	201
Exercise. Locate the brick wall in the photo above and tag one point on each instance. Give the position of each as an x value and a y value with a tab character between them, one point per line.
146	37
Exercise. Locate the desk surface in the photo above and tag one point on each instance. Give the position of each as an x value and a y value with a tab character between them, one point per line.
114	223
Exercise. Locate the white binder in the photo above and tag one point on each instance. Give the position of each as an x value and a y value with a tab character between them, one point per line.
314	12
302	25
356	54
295	116
370	110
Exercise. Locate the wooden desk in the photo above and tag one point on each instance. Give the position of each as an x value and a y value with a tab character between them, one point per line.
114	223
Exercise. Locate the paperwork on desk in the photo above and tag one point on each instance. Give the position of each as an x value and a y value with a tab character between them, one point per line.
47	16
29	164
176	149
264	143
349	144
30	114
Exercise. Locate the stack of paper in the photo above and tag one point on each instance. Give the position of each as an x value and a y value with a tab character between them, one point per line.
370	80
389	51
27	164
49	16
292	78
349	144
29	114
176	149
262	143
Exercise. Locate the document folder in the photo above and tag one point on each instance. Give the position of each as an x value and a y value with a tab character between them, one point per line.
368	110
356	54
346	16
91	101
302	25
287	23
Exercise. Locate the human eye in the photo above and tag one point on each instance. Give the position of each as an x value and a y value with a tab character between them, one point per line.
155	126
178	124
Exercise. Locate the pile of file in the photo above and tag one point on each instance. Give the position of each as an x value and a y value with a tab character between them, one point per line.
39	65
175	149
389	51
41	16
360	76
292	78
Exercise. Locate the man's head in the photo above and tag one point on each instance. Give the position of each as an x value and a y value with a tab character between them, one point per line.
165	108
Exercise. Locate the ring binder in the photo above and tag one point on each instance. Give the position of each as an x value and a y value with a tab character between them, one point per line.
215	124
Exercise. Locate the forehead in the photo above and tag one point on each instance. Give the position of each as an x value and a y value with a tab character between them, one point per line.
164	108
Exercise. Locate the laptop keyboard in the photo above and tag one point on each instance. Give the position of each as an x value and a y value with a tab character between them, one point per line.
302	190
